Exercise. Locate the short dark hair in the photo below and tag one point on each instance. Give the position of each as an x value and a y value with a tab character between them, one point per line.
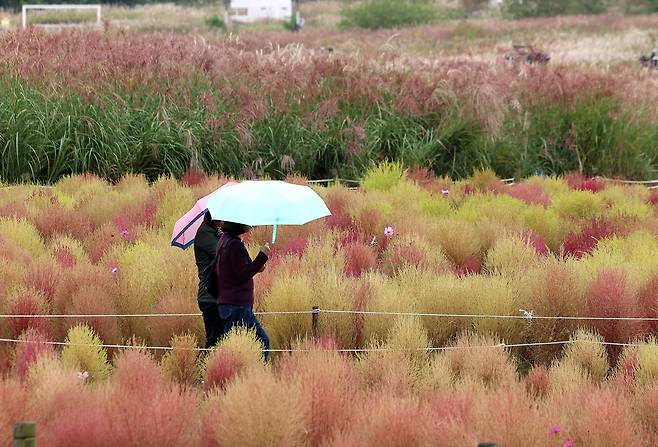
233	228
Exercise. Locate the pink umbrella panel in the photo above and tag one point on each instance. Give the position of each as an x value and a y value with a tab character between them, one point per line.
186	227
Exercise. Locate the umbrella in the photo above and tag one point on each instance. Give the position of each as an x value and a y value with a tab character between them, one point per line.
267	203
187	226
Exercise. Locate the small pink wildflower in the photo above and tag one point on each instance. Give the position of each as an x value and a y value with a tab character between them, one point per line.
115	269
373	241
124	233
554	430
445	192
83	375
569	443
389	232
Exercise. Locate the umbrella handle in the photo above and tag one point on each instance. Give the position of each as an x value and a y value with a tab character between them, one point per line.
274	234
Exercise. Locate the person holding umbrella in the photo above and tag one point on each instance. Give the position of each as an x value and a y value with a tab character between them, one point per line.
234	273
251	203
205	248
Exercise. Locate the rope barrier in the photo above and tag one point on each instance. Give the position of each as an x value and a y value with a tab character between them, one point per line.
144	315
346	350
629	182
526	315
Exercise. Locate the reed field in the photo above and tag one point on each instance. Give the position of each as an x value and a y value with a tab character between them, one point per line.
405	242
262	103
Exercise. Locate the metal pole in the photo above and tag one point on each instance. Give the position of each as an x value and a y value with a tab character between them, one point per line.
25	434
24	17
315	313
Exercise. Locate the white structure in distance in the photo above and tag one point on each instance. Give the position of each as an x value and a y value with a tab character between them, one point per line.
97	8
255	10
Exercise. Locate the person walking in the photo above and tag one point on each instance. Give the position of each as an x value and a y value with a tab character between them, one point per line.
234	272
205	249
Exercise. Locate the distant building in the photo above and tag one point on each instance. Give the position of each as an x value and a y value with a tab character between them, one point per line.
255	10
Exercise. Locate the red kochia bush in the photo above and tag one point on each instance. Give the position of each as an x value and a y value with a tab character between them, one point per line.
295	246
391	421
648	301
653	197
583	242
27	353
59	220
329	380
28	302
538	381
404	254
10	251
146	410
44	277
610	294
359	258
578	181
14	209
222	367
194	177
14	405
530	194
87	423
339	220
471	266
538	243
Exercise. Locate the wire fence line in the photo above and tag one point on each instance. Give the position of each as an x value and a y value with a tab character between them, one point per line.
510	181
340	350
528	315
346	350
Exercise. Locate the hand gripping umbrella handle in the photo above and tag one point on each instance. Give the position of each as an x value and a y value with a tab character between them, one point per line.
274	234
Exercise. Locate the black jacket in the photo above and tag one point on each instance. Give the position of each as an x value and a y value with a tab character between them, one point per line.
205	246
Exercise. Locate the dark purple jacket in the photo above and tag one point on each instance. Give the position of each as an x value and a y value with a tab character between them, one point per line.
235	271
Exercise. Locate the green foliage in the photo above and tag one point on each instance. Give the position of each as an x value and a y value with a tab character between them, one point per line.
83	353
375	14
640	6
383	177
216	22
44	137
593	136
518	9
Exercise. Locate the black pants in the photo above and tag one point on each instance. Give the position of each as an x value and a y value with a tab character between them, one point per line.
213	323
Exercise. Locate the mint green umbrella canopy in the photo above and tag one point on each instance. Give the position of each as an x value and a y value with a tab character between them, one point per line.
267	203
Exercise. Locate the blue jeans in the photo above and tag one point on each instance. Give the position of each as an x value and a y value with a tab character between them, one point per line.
244	316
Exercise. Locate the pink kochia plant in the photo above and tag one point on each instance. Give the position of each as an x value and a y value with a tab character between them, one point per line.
579	244
359	258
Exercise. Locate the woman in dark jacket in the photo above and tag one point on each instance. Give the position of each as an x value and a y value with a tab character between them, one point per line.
235	285
205	248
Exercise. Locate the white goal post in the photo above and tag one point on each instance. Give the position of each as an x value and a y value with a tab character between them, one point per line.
97	8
